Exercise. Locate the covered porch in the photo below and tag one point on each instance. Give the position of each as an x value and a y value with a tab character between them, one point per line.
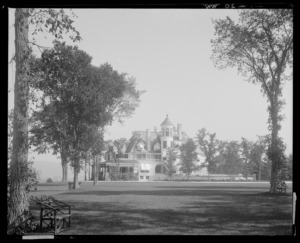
130	168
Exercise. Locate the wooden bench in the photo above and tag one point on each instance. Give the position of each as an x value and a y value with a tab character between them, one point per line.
54	215
281	186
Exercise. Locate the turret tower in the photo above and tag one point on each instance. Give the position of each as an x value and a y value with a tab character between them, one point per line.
167	130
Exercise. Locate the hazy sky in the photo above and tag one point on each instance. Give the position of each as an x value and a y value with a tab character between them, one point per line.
168	52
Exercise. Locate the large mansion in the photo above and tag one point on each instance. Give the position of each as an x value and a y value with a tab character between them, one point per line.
145	153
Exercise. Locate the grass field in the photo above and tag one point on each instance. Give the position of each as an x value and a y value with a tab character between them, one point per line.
174	208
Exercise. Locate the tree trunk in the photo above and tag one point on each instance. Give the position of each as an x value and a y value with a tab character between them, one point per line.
65	172
95	170
75	182
85	162
76	173
259	171
64	164
274	150
18	201
89	172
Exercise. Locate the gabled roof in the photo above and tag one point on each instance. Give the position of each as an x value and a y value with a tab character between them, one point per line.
141	136
167	122
133	141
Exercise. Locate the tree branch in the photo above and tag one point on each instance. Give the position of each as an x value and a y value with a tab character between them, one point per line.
270	42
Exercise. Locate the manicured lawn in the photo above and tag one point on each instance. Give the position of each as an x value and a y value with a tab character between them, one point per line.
174	208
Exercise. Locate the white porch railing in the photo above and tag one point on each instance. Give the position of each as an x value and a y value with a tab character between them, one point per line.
140	156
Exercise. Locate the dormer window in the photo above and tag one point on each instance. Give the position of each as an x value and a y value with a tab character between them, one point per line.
140	146
156	146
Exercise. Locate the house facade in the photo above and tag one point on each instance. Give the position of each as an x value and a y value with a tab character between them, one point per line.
145	153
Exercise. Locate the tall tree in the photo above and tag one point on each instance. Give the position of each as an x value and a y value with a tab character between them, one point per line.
261	47
233	162
94	144
246	148
48	133
188	157
209	146
257	156
118	146
219	158
170	164
83	95
59	22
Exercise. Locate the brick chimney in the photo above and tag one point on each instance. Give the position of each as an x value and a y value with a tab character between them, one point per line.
179	131
148	139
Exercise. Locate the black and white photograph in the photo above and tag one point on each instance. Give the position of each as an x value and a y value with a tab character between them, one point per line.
150	120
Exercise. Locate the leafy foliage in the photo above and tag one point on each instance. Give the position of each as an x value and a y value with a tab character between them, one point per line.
209	146
170	164
78	99
287	170
115	176
54	21
233	162
188	157
260	45
246	152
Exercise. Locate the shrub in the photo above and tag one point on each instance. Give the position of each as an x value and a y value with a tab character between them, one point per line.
49	180
133	177
125	177
114	176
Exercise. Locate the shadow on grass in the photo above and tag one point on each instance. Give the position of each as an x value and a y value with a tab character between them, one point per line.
180	193
205	210
214	213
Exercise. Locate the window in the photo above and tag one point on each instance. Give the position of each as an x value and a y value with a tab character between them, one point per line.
167	132
164	144
120	156
145	168
123	169
141	156
141	177
140	146
131	169
156	146
159	169
147	177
